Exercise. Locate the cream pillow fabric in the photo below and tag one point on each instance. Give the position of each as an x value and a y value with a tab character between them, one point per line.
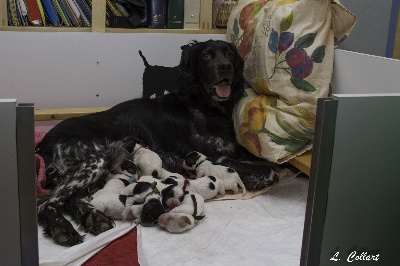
288	48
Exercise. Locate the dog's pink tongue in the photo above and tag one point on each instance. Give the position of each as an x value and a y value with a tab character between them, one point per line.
223	89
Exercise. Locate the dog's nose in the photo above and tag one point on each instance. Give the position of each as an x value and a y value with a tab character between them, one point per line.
225	66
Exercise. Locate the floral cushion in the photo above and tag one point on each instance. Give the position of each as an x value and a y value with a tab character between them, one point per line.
288	50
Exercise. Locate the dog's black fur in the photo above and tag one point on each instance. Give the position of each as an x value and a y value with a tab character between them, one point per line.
80	152
157	80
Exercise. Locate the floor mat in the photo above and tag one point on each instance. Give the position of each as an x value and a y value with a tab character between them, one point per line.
122	251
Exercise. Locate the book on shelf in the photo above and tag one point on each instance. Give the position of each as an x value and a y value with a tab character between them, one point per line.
67	13
175	13
34	15
123	14
191	14
157	14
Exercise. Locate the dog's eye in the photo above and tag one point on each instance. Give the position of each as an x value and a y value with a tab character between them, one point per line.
206	56
229	55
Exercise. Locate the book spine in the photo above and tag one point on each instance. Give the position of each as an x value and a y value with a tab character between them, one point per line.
191	14
158	14
175	14
33	12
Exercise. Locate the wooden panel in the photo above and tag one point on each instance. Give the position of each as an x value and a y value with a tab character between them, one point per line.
206	14
396	46
3	13
61	114
302	162
99	16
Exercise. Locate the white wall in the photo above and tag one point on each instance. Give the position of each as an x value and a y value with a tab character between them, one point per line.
60	70
356	73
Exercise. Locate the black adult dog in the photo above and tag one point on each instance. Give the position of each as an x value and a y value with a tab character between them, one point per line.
80	152
158	79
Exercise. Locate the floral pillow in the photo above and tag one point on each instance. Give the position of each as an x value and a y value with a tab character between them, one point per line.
288	50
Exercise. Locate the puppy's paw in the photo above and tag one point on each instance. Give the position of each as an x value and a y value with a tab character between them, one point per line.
97	223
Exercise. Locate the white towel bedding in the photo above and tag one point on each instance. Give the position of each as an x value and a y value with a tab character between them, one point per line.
265	230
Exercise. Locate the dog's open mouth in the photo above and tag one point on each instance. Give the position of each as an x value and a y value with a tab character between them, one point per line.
222	89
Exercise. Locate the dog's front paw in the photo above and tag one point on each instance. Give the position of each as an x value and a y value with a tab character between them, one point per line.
64	234
97	223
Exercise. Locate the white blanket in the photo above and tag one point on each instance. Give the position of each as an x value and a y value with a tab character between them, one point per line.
51	254
265	230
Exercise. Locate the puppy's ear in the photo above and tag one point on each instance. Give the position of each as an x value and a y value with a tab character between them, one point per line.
170	181
191	159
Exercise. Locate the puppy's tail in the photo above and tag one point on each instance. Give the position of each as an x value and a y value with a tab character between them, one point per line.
146	64
241	185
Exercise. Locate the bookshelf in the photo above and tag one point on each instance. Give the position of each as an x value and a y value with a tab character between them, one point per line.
98	22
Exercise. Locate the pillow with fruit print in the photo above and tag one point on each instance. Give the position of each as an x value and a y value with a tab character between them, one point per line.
288	48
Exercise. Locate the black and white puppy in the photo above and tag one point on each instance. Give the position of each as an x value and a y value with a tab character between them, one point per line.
149	163
207	186
197	161
147	194
192	204
176	222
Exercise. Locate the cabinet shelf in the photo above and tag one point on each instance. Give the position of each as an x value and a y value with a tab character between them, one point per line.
98	23
111	30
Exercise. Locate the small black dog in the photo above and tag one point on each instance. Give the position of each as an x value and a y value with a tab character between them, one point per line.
158	79
80	152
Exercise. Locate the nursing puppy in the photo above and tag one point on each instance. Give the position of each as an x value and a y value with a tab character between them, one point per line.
207	186
171	193
107	199
150	196
151	192
149	163
197	161
114	185
176	222
192	204
111	205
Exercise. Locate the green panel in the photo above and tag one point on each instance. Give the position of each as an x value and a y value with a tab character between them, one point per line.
363	209
319	181
10	249
27	184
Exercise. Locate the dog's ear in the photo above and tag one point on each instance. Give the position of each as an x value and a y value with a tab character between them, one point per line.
188	60
239	62
238	81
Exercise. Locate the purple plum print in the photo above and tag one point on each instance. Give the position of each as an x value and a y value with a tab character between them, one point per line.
273	41
285	41
296	57
299	65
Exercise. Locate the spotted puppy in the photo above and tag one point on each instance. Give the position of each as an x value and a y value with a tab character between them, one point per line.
197	161
107	199
192	204
114	185
172	194
169	195
207	186
147	194
111	205
149	163
176	222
